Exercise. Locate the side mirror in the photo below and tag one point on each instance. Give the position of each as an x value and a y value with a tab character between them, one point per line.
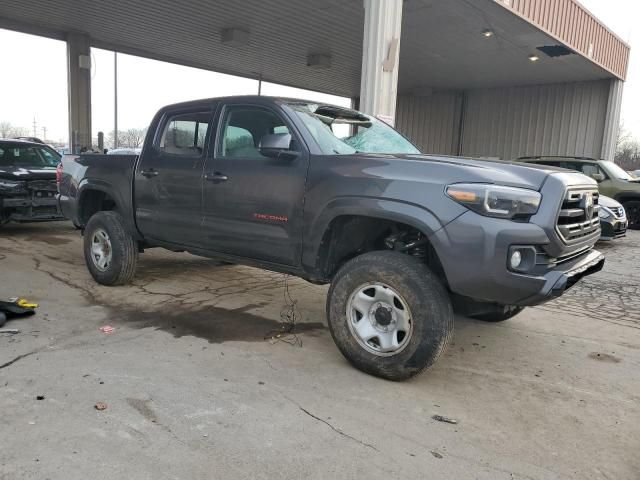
598	177
277	145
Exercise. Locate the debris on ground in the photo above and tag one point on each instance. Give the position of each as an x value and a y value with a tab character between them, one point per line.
289	316
40	397
12	331
442	419
436	454
15	307
100	406
107	329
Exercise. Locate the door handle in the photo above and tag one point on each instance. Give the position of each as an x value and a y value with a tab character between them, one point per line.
149	173
216	177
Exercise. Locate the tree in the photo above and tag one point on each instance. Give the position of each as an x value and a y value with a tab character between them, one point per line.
627	150
134	137
130	138
5	129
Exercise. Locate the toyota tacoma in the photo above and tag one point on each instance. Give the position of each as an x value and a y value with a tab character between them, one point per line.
335	196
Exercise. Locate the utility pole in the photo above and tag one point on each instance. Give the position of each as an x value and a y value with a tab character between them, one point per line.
115	99
35	127
44	133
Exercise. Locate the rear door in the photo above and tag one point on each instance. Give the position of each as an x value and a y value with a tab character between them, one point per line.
168	178
253	204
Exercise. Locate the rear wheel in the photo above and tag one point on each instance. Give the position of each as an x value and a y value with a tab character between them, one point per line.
110	252
389	315
633	213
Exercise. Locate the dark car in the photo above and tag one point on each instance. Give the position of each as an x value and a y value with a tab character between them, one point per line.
28	182
336	196
613	219
30	139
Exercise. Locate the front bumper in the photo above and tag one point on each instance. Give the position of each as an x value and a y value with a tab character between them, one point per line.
31	208
613	228
474	250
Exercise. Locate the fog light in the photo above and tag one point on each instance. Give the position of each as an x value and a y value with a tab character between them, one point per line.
516	259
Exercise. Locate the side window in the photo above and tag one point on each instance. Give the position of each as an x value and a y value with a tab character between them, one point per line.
590	169
570	166
243	129
185	134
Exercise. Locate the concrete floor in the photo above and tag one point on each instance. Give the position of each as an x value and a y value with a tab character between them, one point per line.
193	391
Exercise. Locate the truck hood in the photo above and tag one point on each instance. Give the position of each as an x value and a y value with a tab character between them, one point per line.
500	172
27	173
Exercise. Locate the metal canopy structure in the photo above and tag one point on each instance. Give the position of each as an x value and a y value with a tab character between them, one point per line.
444	46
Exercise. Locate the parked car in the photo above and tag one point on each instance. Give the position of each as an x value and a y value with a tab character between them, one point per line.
30	139
612	180
613	218
401	236
28	182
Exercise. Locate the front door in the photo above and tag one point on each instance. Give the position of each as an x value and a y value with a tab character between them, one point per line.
253	204
168	179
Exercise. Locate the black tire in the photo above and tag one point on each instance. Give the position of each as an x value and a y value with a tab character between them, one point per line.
124	250
500	315
633	213
425	296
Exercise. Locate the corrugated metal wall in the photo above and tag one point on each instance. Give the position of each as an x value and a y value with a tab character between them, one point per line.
572	24
562	119
565	119
431	122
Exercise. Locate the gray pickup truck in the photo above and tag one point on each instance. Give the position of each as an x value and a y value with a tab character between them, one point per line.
335	196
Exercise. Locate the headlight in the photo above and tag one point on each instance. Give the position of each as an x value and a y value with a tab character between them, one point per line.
496	201
10	184
605	213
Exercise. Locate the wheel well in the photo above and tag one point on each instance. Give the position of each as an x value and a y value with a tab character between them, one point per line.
92	202
628	198
350	236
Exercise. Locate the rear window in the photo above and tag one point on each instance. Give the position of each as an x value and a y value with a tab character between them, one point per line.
28	156
185	134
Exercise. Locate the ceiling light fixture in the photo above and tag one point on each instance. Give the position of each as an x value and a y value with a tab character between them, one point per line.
488	33
534	58
235	37
319	60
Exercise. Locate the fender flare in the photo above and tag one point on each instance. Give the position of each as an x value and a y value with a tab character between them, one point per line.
417	216
91	185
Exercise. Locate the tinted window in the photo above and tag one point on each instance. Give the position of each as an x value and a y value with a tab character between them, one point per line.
28	156
185	134
244	127
589	169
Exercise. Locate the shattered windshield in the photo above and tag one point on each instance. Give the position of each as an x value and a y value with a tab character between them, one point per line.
340	131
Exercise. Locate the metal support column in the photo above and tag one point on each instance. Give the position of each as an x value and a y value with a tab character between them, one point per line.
380	54
79	91
612	122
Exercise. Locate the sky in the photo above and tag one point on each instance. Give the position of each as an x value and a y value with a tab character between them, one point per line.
38	89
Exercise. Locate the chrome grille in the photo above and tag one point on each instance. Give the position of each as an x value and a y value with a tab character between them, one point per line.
578	218
618	212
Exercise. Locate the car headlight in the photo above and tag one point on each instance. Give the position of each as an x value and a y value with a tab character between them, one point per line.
10	184
604	213
495	200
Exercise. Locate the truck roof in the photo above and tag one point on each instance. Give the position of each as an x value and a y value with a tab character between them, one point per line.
248	98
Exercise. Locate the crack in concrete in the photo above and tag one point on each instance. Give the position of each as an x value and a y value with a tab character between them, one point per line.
332	427
19	357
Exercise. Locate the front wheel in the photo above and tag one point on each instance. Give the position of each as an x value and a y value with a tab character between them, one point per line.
633	213
110	252
389	315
